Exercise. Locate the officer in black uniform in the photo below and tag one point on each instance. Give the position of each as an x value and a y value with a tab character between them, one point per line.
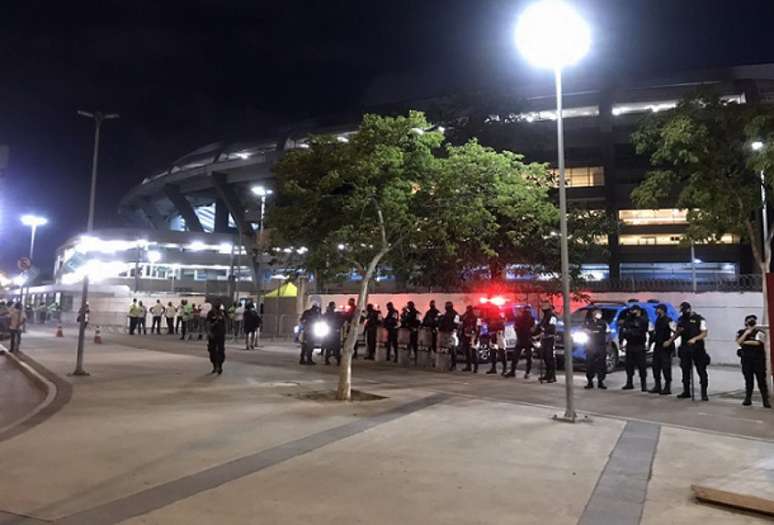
525	329
547	331
447	324
371	330
332	343
469	328
692	330
308	318
410	319
663	350
495	326
390	323
430	321
752	348
596	351
635	331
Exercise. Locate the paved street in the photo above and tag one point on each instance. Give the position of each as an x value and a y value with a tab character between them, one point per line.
151	438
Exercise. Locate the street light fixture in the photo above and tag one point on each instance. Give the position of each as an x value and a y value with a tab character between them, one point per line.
33	221
98	118
552	35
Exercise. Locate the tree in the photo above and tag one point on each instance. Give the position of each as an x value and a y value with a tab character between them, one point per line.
391	195
703	161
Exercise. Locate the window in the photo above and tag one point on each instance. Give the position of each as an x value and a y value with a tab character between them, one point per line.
653	217
666	239
583	177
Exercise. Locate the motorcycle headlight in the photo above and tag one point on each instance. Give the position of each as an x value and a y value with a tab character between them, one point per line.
321	329
580	338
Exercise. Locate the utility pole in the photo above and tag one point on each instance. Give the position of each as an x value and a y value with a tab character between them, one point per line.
98	118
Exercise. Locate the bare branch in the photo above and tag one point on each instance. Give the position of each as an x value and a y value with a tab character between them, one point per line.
382	228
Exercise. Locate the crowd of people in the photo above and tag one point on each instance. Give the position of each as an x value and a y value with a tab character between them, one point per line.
480	330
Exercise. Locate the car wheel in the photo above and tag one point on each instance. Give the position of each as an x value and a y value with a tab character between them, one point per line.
611	359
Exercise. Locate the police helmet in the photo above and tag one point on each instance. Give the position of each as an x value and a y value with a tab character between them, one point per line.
685	306
662	307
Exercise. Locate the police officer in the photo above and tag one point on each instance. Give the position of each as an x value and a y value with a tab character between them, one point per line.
596	351
547	331
495	326
524	325
663	350
430	321
635	331
308	318
448	323
371	328
216	336
692	330
752	347
390	323
469	330
410	319
332	343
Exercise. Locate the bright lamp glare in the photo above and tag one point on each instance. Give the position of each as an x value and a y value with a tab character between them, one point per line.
261	191
551	34
757	145
33	220
580	338
321	329
154	256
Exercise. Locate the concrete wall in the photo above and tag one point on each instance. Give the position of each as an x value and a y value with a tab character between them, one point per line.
724	311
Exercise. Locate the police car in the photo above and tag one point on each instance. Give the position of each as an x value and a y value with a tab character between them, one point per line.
508	313
612	313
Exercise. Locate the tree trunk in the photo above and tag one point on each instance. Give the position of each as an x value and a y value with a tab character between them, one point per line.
344	391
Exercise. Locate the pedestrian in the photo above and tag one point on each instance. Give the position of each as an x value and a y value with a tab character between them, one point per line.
42	311
372	322
16	322
663	350
308	319
252	324
170	312
216	337
179	324
596	350
469	331
752	351
635	331
547	331
692	330
143	313
390	323
525	330
186	317
447	324
332	343
84	313
239	317
133	316
409	319
430	321
157	311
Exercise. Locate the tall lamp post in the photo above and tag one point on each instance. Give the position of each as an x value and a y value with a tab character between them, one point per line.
33	221
263	193
98	118
552	35
758	146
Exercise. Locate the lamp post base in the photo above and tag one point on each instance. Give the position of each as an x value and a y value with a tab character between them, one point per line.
79	373
571	419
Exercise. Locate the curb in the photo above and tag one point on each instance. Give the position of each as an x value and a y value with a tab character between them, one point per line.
58	393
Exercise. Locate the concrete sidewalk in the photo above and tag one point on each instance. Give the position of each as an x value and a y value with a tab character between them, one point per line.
151	437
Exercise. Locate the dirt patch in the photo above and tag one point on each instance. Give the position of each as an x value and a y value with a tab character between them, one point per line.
330	395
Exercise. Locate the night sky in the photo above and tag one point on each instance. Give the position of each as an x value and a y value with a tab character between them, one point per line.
184	74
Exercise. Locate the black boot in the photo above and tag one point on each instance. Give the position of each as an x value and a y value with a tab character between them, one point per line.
766	403
643	384
628	386
601	385
685	395
589	385
491	371
704	396
656	388
666	391
747	401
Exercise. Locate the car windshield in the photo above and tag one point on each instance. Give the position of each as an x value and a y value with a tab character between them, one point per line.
579	316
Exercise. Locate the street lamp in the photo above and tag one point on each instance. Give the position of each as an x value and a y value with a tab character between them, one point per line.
263	193
98	118
33	221
552	35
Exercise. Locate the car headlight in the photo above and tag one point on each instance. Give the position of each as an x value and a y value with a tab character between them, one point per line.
296	329
580	338
321	329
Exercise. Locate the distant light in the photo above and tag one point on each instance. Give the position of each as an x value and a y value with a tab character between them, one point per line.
321	329
551	34
197	246
757	145
279	277
341	247
154	256
441	129
580	338
261	191
4	281
697	261
498	301
19	280
243	155
342	138
225	248
304	145
33	220
302	250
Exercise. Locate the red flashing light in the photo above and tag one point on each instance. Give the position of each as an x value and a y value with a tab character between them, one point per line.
483	300
498	301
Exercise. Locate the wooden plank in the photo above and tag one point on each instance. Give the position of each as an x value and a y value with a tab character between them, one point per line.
750	489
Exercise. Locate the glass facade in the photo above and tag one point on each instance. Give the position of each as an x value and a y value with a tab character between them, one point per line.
653	217
664	239
585	177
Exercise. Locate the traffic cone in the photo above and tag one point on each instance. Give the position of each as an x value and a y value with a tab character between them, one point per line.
97	336
59	330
